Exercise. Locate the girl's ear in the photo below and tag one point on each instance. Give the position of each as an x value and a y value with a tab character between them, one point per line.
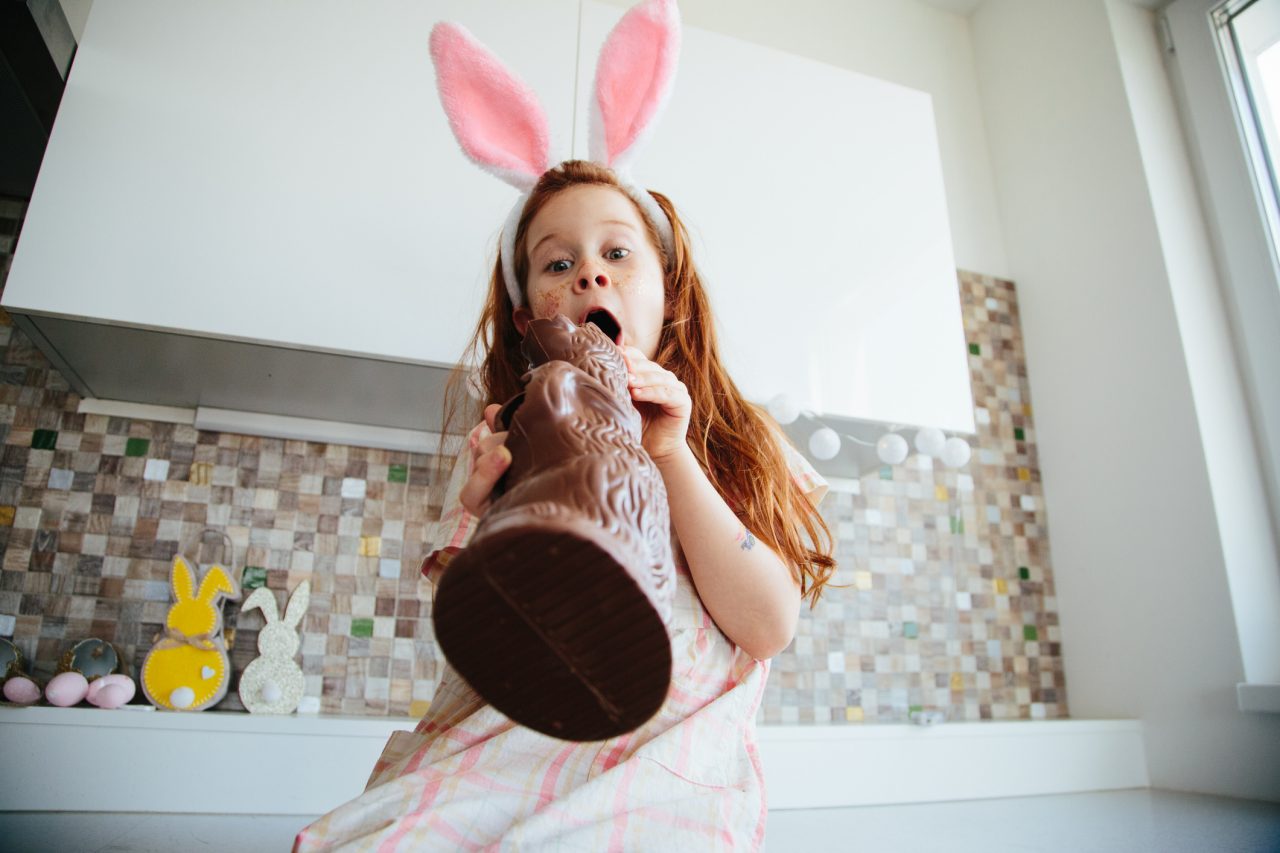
521	317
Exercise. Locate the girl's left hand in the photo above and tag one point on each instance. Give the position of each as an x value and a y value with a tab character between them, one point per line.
663	401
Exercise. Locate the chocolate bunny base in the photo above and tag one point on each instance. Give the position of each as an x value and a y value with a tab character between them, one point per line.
556	612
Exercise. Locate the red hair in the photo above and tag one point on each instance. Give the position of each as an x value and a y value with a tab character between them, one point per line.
734	440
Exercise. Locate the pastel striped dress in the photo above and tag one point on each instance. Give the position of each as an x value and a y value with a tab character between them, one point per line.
468	778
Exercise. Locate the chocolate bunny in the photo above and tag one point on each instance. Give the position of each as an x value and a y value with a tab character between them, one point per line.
556	611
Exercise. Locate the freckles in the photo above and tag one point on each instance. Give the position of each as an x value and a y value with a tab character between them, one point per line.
548	304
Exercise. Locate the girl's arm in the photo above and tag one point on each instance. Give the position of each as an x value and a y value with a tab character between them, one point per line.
744	585
747	588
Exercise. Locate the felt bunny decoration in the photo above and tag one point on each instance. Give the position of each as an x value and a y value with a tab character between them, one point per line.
501	126
188	669
272	683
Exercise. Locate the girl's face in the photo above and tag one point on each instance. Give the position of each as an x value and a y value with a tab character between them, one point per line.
589	251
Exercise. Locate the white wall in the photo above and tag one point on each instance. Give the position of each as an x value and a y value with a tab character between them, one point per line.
1147	623
903	42
1231	452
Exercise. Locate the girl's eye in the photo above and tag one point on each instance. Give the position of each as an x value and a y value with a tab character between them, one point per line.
617	254
558	266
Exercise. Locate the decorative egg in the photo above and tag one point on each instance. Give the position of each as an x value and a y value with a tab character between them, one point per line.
21	690
111	691
66	689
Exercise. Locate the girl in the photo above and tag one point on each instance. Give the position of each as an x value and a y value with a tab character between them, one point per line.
749	545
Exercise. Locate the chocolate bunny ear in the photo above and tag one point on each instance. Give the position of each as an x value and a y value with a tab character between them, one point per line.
495	117
634	75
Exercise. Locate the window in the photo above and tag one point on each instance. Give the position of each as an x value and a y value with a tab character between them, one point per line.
1249	35
1223	58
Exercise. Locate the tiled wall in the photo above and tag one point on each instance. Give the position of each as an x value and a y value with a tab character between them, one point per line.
949	604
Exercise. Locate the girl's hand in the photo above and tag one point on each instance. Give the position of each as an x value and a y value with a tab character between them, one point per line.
663	401
490	460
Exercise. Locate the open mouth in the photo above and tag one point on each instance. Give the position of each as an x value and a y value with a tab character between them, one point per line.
605	321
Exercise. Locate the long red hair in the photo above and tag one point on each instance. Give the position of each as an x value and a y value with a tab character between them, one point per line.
733	440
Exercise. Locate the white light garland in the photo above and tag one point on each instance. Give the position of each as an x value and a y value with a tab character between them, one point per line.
892	448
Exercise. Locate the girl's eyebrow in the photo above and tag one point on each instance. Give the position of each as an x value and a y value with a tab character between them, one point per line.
550	236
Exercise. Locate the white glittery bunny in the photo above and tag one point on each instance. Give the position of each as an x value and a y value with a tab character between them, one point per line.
272	683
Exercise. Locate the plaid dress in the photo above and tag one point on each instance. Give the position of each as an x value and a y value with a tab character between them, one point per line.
468	778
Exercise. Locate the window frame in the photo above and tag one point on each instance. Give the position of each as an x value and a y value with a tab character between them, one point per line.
1237	214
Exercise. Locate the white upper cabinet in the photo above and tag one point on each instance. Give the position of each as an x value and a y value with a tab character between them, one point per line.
278	172
815	199
279	179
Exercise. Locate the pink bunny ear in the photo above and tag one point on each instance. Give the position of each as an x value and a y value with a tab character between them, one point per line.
495	117
633	80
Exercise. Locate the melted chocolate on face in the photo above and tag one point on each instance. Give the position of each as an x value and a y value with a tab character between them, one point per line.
556	612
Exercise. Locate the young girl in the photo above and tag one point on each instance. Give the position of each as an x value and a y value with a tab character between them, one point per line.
748	541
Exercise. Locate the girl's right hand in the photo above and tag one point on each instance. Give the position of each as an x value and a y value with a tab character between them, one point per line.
490	460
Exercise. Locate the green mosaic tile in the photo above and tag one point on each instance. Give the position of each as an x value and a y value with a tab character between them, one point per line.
915	709
975	349
1019	434
957	524
398	474
362	627
910	630
137	446
1024	573
1029	633
253	577
44	439
886	472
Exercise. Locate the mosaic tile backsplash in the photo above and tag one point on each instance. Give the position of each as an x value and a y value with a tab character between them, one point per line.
949	603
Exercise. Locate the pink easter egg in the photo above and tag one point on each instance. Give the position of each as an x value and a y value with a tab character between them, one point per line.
21	690
66	689
111	691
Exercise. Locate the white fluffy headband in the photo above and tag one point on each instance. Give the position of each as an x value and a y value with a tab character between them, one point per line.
501	126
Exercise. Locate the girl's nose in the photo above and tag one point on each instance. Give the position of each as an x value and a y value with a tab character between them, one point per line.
585	280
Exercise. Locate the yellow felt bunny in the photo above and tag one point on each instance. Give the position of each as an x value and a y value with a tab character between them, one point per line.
188	668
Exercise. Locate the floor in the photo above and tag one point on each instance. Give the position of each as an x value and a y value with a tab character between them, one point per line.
1128	821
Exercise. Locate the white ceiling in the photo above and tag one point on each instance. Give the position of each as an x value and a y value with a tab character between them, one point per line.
965	8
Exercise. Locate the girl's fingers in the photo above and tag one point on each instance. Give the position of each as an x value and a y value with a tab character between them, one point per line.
490	467
490	414
489	442
494	438
659	393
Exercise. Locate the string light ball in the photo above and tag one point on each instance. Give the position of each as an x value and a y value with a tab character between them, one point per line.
930	441
892	449
824	443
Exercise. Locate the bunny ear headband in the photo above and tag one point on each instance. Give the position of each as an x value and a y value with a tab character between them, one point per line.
501	126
